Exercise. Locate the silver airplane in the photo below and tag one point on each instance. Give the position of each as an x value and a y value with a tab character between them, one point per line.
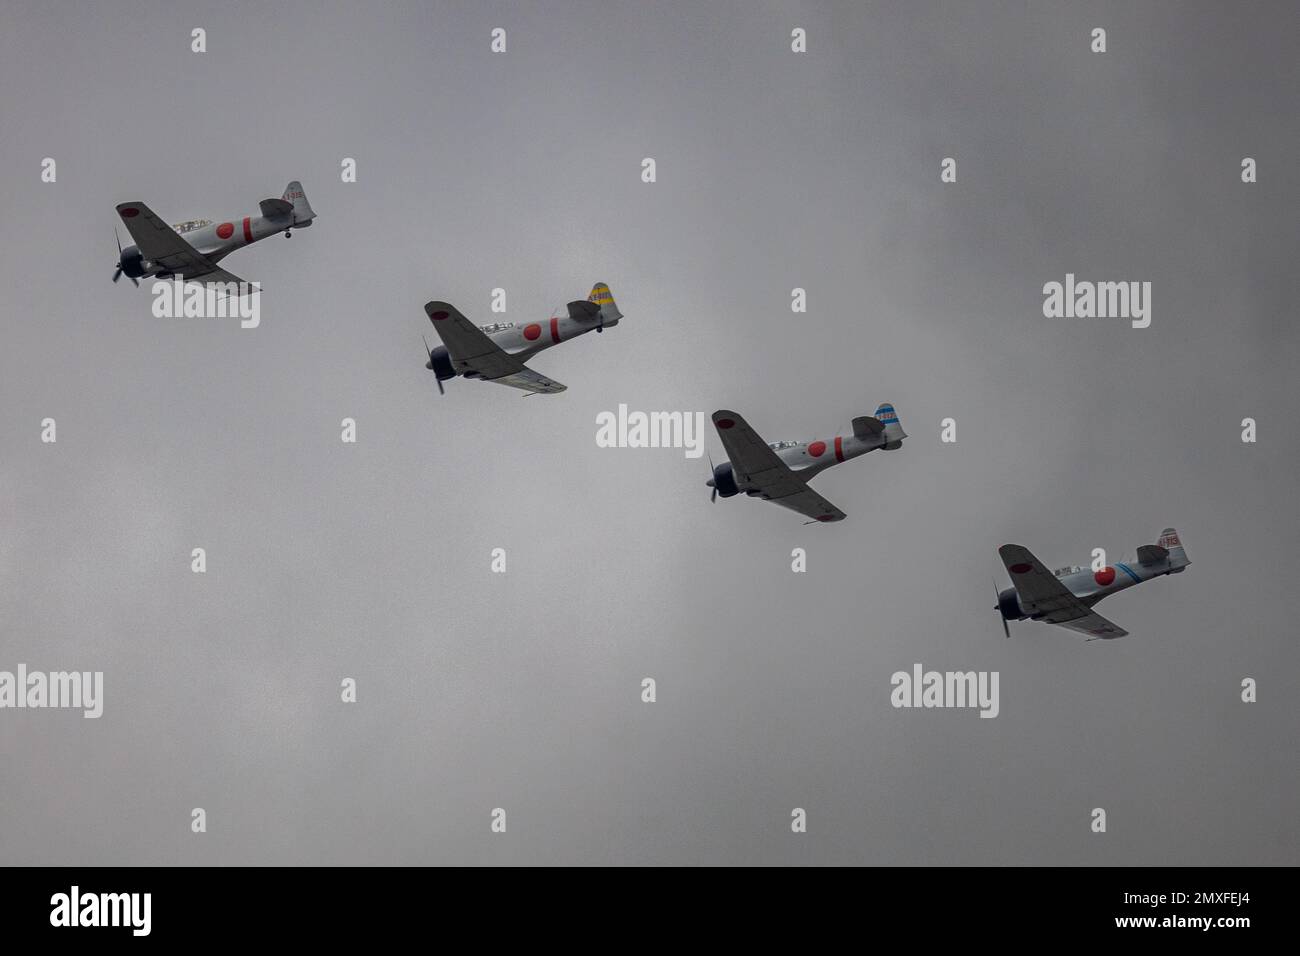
497	353
779	471
192	249
1066	596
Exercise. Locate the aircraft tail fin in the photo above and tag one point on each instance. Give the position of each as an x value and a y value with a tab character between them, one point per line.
1171	542
302	211
894	433
602	297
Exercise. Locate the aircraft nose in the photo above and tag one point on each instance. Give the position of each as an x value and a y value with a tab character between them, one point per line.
709	483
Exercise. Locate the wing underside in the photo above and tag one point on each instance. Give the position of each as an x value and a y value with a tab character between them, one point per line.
1094	625
758	468
218	274
809	504
1044	598
161	245
471	351
530	381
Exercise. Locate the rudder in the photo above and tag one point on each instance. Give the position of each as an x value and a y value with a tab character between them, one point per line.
1171	542
894	433
302	211
601	296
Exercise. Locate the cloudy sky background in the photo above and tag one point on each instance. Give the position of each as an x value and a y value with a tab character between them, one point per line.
522	690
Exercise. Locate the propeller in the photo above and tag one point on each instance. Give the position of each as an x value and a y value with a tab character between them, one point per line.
429	366
118	274
713	498
998	607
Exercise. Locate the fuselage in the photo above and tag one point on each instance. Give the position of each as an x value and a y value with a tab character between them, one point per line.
523	341
213	239
1090	586
809	458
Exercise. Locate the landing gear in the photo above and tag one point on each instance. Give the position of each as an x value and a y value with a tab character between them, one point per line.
287	234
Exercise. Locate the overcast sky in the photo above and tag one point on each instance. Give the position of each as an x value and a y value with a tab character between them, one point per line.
522	690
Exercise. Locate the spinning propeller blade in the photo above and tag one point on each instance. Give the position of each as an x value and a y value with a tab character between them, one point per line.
118	273
998	607
429	366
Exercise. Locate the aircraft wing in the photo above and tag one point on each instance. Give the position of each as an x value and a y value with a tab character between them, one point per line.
757	466
218	274
1044	598
159	243
469	347
811	505
1094	625
530	381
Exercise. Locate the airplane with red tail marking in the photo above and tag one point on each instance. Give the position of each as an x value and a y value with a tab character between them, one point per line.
191	250
497	353
1066	596
779	471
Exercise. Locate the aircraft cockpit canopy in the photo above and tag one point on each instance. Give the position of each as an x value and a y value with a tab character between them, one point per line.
190	225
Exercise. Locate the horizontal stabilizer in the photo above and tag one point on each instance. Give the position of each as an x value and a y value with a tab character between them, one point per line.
867	427
584	311
1152	554
273	208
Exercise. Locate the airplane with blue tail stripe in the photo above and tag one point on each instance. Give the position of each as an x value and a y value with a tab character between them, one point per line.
1066	596
779	471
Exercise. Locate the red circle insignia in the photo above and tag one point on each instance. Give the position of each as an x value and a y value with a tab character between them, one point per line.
438	316
817	449
1021	568
1105	576
226	230
725	423
130	212
532	331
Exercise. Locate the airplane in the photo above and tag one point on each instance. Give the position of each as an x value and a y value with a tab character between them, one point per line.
497	353
779	471
192	249
1066	596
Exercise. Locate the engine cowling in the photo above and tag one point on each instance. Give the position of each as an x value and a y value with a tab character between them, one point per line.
1009	605
440	364
724	481
132	263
